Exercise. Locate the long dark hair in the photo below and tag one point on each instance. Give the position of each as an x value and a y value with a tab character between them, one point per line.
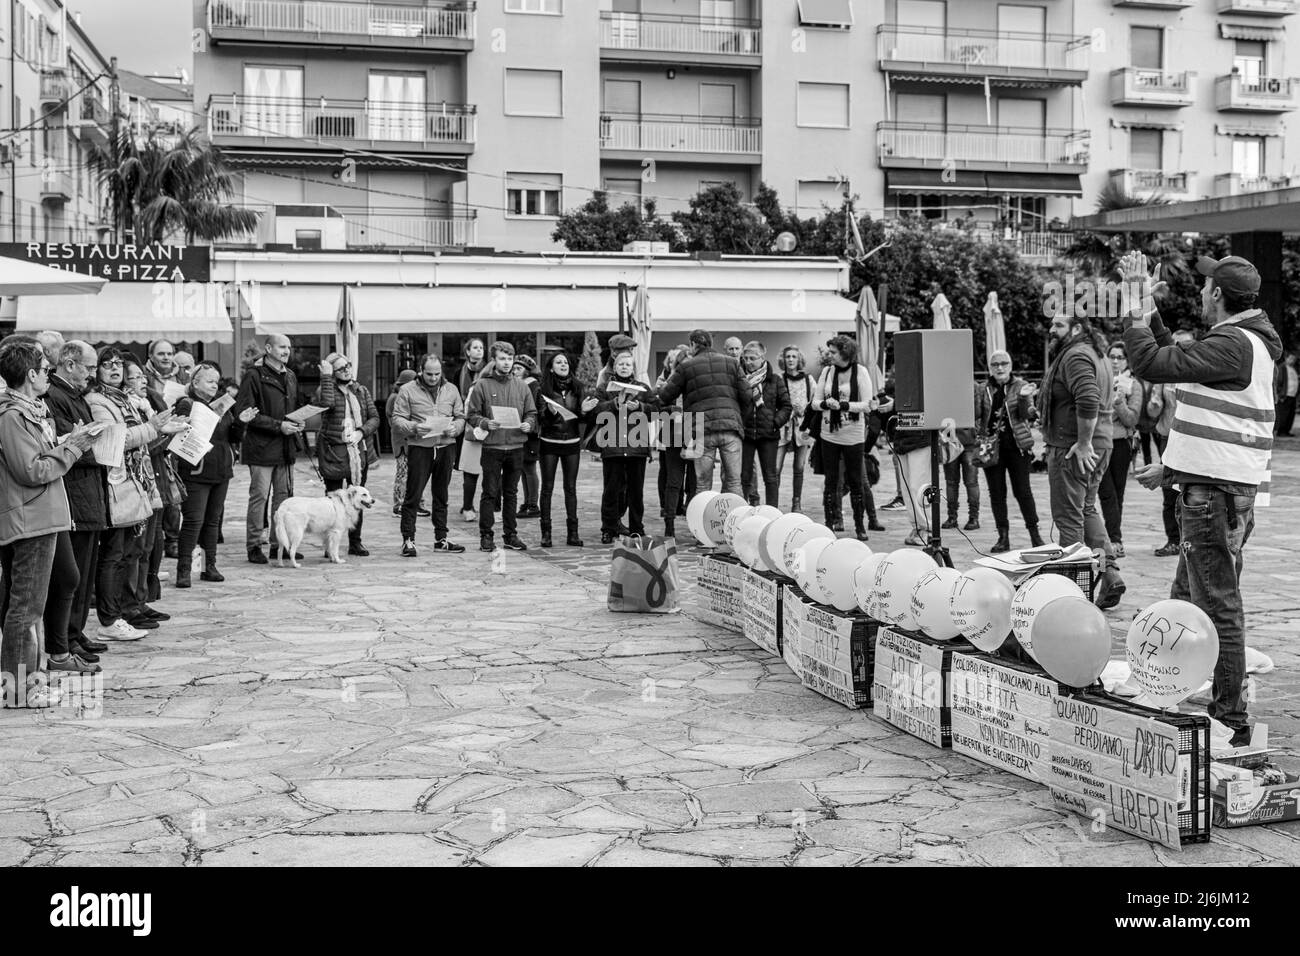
550	381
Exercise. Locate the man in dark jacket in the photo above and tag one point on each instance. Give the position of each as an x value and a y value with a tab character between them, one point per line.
1219	450
716	400
84	484
770	410
346	441
270	440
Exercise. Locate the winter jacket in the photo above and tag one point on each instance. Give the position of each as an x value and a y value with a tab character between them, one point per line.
155	381
713	387
331	449
468	376
554	427
217	465
85	482
764	422
1021	411
415	404
621	433
33	501
1127	409
274	395
503	390
1078	385
170	486
139	436
800	386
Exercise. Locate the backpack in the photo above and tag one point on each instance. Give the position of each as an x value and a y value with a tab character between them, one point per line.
1146	421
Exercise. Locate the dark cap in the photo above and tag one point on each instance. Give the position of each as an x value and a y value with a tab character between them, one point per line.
1234	275
621	343
405	375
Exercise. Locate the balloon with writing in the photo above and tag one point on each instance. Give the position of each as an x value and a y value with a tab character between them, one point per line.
695	516
1032	597
747	539
896	577
715	516
932	603
804	565
981	607
731	526
1172	648
772	541
864	584
768	512
794	543
835	567
1071	639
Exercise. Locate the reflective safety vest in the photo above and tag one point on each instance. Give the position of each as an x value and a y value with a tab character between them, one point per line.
1227	435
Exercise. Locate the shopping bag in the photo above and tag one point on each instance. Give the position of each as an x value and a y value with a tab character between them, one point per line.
471	457
644	577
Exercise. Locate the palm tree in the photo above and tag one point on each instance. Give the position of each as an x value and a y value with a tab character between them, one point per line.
162	185
1097	253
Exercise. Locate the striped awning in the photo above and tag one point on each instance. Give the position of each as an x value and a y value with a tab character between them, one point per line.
1237	31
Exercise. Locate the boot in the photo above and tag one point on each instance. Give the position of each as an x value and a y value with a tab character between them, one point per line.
950	523
183	574
973	524
1111	587
796	506
670	528
573	540
1003	543
546	535
1035	539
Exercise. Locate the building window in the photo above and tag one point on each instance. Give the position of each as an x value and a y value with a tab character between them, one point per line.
534	92
1248	156
273	101
1147	47
1146	149
1248	62
533	194
837	14
824	104
622	191
719	13
397	106
553	7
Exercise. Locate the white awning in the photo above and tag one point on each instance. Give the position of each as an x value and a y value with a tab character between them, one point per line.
680	310
19	277
292	309
512	309
133	312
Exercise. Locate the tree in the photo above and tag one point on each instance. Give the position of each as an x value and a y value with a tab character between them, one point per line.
590	364
162	186
596	227
719	222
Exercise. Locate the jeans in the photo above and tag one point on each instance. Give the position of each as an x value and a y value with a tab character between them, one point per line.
171	523
1113	483
624	482
731	447
849	461
58	597
676	481
502	468
1144	439
1215	528
111	573
568	465
1014	464
800	465
1169	511
28	565
425	465
765	449
139	553
532	484
200	521
963	470
85	549
471	488
335	484
1074	500
272	483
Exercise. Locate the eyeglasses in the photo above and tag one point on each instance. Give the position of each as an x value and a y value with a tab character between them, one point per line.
1000	364
340	366
111	363
45	369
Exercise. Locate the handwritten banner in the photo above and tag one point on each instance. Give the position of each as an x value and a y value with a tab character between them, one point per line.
835	655
721	584
1002	716
794	613
761	611
909	686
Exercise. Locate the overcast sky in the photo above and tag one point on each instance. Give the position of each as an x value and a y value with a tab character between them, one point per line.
146	36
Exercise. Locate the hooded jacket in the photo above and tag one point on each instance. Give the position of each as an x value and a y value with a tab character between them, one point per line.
274	395
504	390
85	482
33	501
415	404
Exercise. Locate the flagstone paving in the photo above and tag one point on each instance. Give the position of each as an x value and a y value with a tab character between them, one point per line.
482	710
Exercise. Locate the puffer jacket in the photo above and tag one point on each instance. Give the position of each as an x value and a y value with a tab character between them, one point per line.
33	501
87	496
712	386
218	465
621	433
764	422
800	386
331	449
1021	411
274	395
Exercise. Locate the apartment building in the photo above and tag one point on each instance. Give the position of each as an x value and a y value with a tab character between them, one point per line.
55	102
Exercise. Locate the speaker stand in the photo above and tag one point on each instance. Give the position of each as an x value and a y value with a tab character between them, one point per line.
935	548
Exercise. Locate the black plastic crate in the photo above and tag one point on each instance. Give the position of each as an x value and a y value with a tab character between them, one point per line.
862	650
1082	573
1193	743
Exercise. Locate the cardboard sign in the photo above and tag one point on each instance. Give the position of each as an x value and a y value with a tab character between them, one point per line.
794	612
1002	716
721	586
834	655
909	686
1119	768
761	610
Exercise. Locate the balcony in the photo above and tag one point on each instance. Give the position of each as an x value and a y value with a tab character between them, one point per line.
1259	8
1042	248
1149	183
1009	58
1263	95
268	121
1155	4
685	138
57	187
1235	184
918	145
55	90
1136	86
372	229
96	123
642	38
440	25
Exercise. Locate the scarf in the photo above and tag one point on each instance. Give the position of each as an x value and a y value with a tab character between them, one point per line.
351	422
38	410
756	380
123	402
837	416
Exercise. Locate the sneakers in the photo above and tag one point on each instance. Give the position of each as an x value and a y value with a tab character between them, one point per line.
468	515
408	549
1110	590
485	543
423	512
1170	550
513	543
256	556
444	546
211	574
895	505
73	665
916	540
119	630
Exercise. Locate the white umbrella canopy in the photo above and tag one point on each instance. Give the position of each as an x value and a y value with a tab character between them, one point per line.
30	278
346	337
995	329
868	331
942	310
642	331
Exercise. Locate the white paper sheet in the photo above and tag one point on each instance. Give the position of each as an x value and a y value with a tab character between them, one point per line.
110	445
563	412
222	405
172	393
305	414
507	416
189	446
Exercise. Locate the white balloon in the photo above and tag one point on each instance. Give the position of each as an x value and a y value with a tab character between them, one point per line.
981	607
795	541
864	584
932	603
695	516
896	576
715	517
772	541
732	524
768	512
1032	597
747	540
835	567
805	566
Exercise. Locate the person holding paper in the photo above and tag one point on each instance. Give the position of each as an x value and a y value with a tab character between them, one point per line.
345	445
497	400
564	408
166	387
39	570
207	482
270	440
428	415
623	433
398	440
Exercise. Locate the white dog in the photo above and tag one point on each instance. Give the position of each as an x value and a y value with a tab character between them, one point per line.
331	517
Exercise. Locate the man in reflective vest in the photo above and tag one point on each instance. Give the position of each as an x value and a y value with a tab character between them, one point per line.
1220	448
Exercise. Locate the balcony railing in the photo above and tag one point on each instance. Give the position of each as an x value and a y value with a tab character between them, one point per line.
1262	95
665	34
369	229
982	145
683	134
1138	86
1260	8
982	51
1234	184
1146	182
321	19
1155	4
1045	246
57	186
55	88
428	125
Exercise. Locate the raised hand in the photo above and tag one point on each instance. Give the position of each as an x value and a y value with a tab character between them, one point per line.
248	414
